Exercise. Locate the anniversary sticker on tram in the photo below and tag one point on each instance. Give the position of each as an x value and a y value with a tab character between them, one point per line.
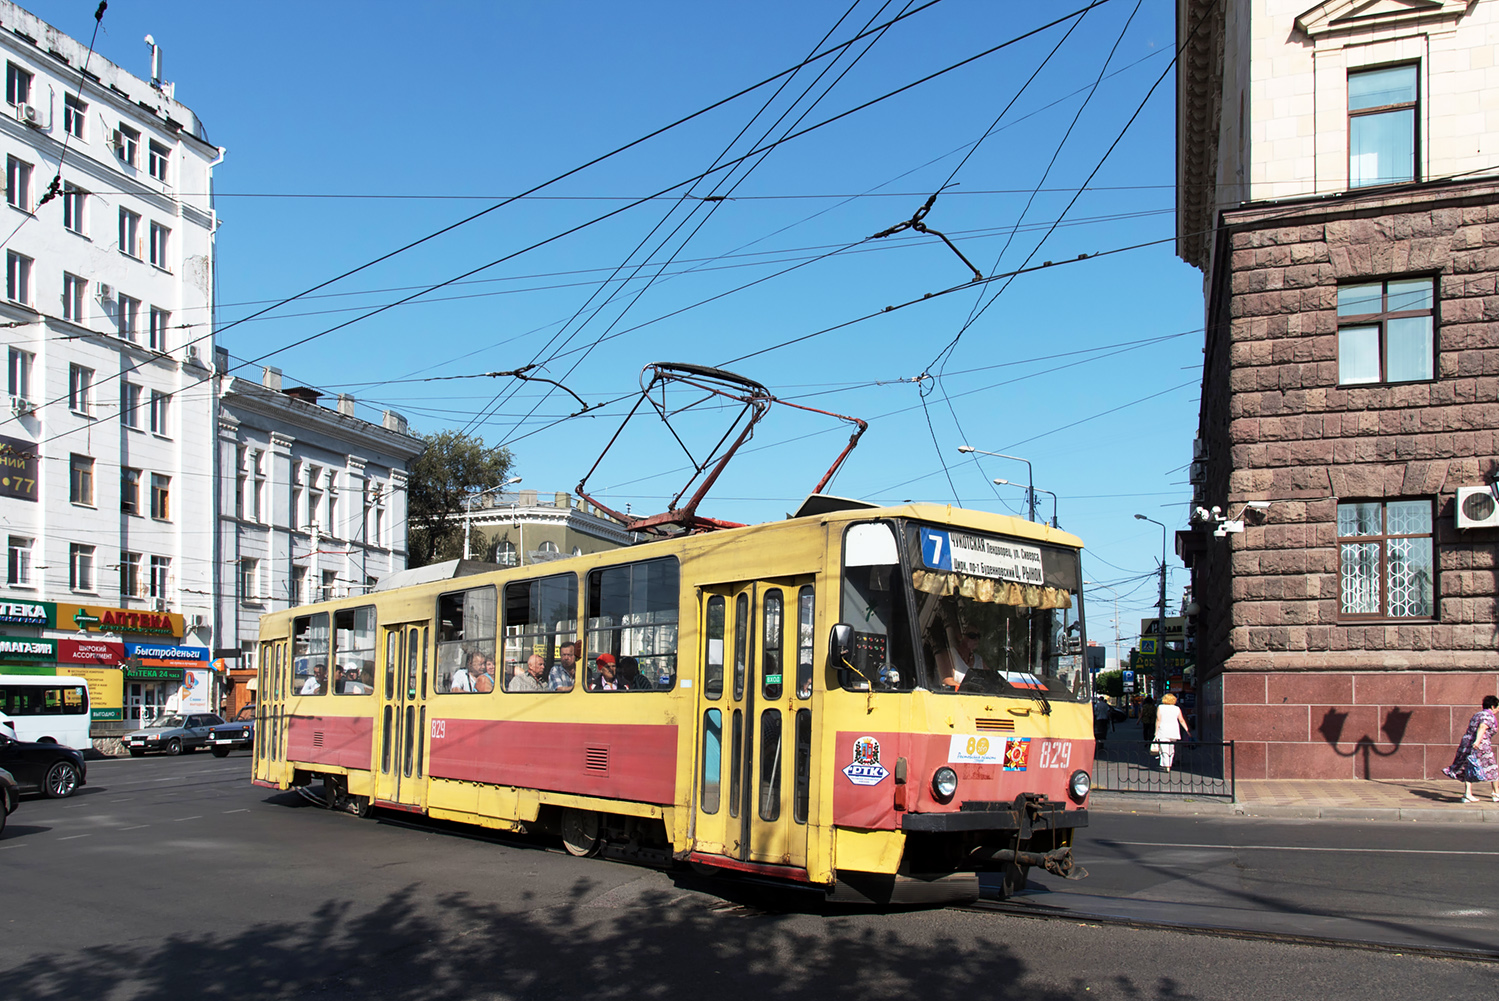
866	769
1017	754
976	749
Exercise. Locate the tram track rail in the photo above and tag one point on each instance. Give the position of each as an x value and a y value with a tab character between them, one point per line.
1024	908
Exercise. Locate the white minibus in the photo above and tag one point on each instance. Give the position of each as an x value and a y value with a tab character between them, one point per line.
47	708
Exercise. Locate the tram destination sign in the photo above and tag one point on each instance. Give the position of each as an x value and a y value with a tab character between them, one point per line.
981	556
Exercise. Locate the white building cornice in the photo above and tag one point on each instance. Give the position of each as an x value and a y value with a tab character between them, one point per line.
1349	16
277	406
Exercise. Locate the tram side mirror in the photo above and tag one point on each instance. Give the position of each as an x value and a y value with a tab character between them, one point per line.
841	653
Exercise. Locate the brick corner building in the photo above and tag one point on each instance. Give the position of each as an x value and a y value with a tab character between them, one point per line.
1338	184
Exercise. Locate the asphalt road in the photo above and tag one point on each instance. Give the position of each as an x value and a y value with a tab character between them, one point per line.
175	878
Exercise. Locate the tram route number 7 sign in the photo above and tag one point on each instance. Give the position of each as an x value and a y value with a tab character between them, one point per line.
981	556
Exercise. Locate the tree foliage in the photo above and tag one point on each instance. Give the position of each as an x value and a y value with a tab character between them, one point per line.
450	468
1110	683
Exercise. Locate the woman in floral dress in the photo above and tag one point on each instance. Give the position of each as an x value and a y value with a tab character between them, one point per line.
1475	753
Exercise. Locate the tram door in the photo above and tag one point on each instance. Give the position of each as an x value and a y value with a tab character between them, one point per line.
754	723
400	744
271	690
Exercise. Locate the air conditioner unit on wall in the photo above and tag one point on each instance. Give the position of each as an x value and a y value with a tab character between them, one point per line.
20	407
106	292
28	114
1477	507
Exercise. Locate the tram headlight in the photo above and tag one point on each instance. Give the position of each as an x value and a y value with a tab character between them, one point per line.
1079	785
944	784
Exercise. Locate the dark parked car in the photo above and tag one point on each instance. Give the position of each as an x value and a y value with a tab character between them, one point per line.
51	769
240	732
10	796
173	733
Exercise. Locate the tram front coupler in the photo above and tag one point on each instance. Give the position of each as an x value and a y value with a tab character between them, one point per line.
1058	861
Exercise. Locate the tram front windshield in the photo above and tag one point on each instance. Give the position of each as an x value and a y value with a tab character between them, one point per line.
959	612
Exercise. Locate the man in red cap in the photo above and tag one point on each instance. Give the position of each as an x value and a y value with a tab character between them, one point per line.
605	679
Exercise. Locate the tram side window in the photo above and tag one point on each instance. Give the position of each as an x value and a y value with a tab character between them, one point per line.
805	640
309	657
874	603
541	632
713	648
466	627
354	650
632	627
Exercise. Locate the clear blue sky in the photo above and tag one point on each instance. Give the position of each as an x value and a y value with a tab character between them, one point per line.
441	109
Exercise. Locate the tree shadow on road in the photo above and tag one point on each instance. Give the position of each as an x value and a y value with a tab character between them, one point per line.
640	940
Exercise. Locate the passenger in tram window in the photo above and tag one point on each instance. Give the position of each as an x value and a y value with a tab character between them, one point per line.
630	678
465	677
349	683
318	683
605	678
484	680
561	677
530	681
961	655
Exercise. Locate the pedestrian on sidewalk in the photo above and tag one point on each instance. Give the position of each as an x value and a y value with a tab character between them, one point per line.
1100	718
1147	718
1475	760
1170	726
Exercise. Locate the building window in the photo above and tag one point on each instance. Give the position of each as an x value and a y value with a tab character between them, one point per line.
130	405
74	115
17	84
20	373
1382	125
377	515
332	527
249	579
161	577
18	566
1385	555
74	291
129	317
257	488
127	144
157	157
159	401
1385	332
159	234
80	567
18	183
314	496
130	490
74	200
161	497
130	233
299	585
81	390
330	578
17	277
130	576
160	320
81	480
239	482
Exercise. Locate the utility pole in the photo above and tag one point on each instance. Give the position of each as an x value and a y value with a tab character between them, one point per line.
1160	622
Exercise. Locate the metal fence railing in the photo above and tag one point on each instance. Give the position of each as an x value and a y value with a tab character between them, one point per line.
1200	768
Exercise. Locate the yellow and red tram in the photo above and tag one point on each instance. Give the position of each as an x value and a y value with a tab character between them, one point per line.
883	702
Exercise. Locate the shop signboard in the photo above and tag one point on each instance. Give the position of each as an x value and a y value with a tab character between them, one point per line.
27	648
36	614
90	651
193	698
17	468
102	619
136	671
106	691
147	652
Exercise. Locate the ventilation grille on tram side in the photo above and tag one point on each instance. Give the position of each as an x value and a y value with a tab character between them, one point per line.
596	759
317	738
994	724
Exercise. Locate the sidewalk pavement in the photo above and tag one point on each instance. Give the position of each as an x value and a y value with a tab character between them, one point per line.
1430	801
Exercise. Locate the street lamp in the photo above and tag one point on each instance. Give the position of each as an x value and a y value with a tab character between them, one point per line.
468	508
1029	473
1160	622
1007	483
1094	583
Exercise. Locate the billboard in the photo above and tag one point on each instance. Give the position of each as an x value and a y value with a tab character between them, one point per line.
17	469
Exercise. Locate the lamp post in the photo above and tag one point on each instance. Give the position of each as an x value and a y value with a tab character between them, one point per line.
1036	490
1029	473
468	509
1094	583
1160	622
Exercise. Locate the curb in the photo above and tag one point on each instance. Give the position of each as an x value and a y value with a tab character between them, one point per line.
1188	806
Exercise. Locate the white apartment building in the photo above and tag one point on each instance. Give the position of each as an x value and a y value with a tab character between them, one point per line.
312	505
107	434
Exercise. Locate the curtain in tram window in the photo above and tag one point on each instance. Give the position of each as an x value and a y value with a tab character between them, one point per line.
994	592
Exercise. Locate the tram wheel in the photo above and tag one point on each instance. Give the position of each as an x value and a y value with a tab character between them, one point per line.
580	832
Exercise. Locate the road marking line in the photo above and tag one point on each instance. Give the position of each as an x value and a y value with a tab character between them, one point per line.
8	847
181	819
241	810
1293	848
135	828
71	837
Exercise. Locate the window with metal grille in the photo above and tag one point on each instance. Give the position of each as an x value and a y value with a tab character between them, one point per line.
1385	557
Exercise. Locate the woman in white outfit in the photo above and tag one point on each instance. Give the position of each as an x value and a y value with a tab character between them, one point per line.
1170	726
